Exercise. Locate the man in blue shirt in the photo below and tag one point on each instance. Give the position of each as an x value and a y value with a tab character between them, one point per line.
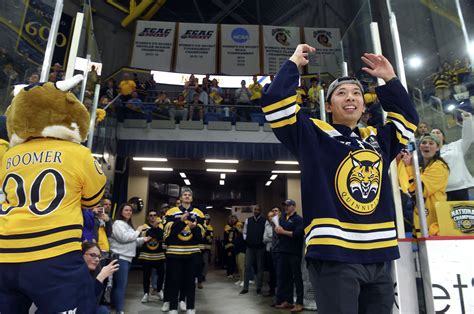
290	237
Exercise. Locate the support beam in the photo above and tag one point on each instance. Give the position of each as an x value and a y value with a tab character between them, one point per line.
235	16
226	9
198	10
157	6
136	13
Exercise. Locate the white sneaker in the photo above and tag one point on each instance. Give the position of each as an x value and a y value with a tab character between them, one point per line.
145	298
193	311
252	282
160	295
241	284
166	307
182	306
173	312
237	283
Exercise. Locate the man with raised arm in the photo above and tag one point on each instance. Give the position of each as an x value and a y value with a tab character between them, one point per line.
348	210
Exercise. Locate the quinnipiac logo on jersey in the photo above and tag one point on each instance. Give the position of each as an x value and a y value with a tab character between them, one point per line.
358	180
463	218
155	32
240	35
197	34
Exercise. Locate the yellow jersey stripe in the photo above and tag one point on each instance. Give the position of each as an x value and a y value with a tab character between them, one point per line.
39	241
323	125
402	119
346	225
41	254
401	139
45	246
352	245
280	104
285	122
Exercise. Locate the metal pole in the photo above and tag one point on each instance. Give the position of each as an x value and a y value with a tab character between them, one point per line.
84	81
322	109
345	72
76	38
374	32
53	33
464	32
93	116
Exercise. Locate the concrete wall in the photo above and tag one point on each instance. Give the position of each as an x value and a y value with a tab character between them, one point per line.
138	186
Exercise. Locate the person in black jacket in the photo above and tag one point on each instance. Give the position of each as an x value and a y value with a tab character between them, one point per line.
255	254
290	236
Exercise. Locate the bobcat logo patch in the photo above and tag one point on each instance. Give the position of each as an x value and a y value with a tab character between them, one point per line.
358	180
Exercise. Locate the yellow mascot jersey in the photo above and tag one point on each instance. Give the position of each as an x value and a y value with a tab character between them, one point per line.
46	182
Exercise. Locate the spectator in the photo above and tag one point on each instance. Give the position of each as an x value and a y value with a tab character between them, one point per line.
124	242
301	93
276	255
150	86
152	255
290	236
442	80
313	93
423	128
215	93
179	111
254	228
229	235
88	233
268	239
190	87
135	104
92	79
110	89
126	87
256	91
196	109
33	78
204	96
239	252
208	241
57	74
460	180
434	178
92	258
162	106
102	228
242	98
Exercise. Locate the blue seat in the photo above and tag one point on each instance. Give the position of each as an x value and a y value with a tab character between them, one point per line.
212	116
258	117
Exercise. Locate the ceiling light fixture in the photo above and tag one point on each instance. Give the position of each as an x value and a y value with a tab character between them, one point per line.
183	175
221	182
221	170
222	161
273	177
286	171
150	159
97	155
286	162
268	183
157	169
187	182
209	207
222	176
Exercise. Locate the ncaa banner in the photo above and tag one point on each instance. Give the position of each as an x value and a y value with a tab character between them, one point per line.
196	48
279	44
240	49
153	46
328	55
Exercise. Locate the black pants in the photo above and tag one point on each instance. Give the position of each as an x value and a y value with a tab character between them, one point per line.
230	261
180	273
289	275
458	195
160	271
199	263
271	271
343	288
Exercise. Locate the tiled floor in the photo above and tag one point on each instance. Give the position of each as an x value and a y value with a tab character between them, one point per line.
219	295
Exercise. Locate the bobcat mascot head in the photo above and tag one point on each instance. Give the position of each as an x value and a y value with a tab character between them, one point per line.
47	110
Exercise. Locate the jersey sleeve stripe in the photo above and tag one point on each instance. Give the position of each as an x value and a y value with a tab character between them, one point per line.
284	113
351	236
407	133
407	124
351	245
39	247
349	226
279	104
87	199
40	234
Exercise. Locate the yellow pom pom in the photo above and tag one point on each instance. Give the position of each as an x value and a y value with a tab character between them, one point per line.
100	115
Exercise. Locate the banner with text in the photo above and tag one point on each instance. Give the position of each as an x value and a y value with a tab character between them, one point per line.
153	47
279	44
240	49
328	55
196	48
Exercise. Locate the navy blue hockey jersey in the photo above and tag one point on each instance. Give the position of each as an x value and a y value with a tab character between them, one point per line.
347	201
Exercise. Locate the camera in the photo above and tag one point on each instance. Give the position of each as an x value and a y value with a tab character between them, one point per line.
114	256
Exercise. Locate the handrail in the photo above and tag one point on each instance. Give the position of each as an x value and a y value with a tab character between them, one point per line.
439	111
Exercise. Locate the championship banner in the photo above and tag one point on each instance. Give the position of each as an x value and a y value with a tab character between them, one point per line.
240	53
328	55
196	48
455	218
153	46
279	44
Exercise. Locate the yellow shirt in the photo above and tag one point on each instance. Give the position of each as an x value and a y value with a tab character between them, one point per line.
46	182
313	93
299	95
126	87
256	91
102	240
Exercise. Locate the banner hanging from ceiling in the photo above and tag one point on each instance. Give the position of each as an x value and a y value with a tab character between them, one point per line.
153	46
328	55
279	43
196	48
240	49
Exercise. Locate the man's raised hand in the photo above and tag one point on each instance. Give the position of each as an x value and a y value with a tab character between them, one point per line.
300	56
378	66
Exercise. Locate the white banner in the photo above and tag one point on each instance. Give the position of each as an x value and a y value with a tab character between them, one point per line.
404	280
196	48
153	47
240	54
328	56
452	273
279	44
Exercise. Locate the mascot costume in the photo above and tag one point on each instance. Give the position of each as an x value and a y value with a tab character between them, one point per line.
47	176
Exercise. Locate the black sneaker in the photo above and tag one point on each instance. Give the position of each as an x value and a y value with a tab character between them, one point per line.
244	291
259	291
